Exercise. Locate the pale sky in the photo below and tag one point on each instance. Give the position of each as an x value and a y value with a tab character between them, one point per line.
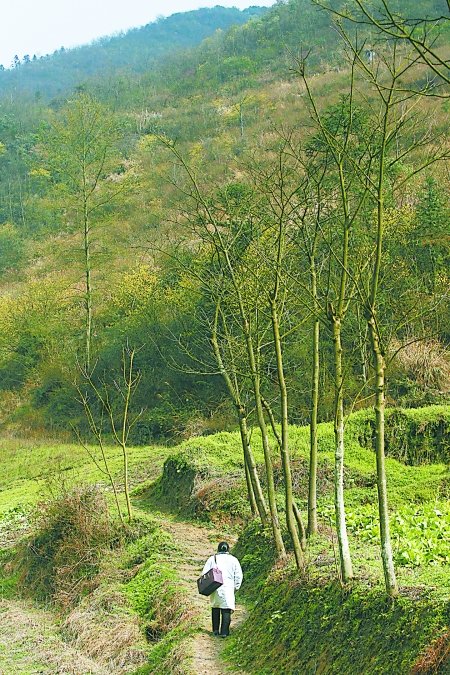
41	26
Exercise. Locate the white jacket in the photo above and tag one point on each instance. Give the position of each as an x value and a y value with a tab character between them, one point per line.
231	570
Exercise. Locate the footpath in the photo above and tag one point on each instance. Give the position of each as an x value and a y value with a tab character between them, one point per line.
198	544
31	641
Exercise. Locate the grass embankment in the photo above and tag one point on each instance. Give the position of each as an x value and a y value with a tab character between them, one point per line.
117	601
307	623
116	595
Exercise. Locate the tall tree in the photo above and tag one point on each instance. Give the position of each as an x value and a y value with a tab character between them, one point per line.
81	149
222	225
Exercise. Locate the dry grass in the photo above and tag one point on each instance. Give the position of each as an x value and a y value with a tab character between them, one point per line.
101	627
427	362
30	642
435	659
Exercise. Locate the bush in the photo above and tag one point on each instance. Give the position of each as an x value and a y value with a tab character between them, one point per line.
61	560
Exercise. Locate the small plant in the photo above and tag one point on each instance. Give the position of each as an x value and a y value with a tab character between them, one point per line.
421	534
120	420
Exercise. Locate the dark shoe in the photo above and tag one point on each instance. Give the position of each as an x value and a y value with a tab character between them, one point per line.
215	632
222	636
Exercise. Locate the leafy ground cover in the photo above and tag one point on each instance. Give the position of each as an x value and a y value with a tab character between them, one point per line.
305	626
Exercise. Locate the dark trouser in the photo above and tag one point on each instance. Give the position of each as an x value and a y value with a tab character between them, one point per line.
218	626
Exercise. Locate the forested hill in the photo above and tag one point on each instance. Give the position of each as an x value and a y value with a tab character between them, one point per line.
248	236
226	102
135	51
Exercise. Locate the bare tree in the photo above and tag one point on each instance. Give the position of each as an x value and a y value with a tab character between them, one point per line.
114	401
420	33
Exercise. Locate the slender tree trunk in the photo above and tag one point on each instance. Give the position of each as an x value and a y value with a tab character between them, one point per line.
301	527
284	447
386	548
296	510
107	469
249	460
88	286
278	539
250	493
256	383
250	465
116	497
362	339
126	482
123	440
380	366
312	488
241	119
341	526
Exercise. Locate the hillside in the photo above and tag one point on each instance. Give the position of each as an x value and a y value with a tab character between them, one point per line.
224	102
119	56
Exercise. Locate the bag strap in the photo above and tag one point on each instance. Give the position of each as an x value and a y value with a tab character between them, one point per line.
215	559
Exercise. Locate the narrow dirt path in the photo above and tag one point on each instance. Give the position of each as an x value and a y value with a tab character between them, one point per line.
198	544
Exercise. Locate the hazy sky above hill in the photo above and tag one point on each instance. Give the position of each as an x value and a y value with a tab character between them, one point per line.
41	26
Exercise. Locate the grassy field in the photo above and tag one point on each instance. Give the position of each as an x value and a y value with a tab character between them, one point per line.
31	470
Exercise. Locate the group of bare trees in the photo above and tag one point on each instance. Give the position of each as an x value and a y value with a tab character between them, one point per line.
301	241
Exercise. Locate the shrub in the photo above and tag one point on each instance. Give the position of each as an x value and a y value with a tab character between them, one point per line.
61	560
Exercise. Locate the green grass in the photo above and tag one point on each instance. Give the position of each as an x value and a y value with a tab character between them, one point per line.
302	623
29	470
289	609
140	580
300	627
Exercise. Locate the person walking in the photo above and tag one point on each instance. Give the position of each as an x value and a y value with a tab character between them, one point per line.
222	600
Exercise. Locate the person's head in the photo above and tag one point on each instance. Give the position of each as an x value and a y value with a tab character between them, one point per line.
223	547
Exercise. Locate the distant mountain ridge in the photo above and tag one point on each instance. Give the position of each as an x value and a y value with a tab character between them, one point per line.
133	51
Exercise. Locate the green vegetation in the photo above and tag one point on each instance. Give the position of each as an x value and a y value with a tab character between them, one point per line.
198	481
32	470
292	613
220	106
248	233
305	627
118	588
62	557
